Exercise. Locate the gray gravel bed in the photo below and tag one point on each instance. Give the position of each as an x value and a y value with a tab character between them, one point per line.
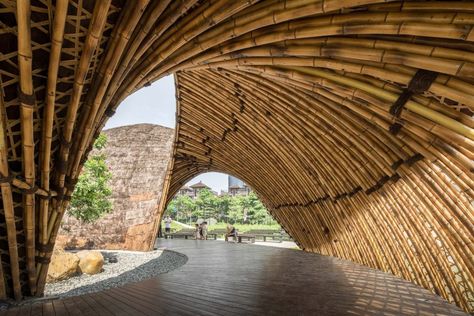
130	267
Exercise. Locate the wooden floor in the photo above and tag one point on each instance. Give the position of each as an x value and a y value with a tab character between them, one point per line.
238	279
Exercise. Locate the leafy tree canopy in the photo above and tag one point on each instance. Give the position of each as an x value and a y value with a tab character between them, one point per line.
90	199
243	209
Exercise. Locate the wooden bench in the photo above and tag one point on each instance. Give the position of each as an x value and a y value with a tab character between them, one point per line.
184	233
188	233
216	233
180	235
249	237
212	234
276	237
266	233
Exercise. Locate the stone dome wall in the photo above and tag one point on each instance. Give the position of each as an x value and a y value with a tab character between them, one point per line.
137	157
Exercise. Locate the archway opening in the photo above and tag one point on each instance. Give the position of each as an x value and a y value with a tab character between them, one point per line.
155	104
138	144
136	151
219	199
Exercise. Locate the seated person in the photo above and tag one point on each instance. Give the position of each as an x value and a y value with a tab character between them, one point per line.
197	231
231	232
204	230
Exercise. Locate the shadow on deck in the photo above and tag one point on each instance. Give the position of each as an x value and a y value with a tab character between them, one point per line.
238	279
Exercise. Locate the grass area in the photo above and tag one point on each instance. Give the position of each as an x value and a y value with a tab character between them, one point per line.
174	227
245	227
240	227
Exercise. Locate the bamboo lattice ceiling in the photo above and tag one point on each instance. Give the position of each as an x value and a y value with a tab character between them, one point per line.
351	119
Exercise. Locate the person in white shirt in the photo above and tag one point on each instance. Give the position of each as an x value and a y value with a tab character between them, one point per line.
168	221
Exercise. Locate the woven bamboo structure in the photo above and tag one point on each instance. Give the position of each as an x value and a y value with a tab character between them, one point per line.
359	112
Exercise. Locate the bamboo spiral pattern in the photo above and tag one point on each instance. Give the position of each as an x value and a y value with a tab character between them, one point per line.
351	119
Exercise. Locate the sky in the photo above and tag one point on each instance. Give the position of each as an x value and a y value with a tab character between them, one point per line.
156	104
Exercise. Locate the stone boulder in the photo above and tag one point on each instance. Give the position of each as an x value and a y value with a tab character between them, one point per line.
90	262
63	266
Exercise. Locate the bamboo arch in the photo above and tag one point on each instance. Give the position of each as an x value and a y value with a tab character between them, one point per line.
355	115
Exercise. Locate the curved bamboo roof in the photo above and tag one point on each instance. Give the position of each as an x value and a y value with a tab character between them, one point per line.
351	119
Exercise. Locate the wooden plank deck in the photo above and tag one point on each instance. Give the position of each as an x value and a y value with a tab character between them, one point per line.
240	279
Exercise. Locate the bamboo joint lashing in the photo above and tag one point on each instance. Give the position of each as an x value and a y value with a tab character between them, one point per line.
420	82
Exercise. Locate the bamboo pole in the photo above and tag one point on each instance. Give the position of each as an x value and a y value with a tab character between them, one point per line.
388	96
8	208
139	44
27	101
96	27
167	181
118	42
48	119
466	164
94	34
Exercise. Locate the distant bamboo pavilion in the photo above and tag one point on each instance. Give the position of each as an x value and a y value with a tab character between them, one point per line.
235	187
193	190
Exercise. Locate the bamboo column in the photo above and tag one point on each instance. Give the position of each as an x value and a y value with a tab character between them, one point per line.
8	209
48	123
111	61
27	101
94	34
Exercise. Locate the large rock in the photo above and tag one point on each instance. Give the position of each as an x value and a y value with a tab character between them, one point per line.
90	262
63	266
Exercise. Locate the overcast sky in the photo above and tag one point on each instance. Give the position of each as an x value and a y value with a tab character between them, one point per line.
156	104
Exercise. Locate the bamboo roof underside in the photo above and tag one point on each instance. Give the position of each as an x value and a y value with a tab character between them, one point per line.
351	119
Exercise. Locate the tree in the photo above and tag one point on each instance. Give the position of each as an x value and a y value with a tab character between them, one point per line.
247	209
236	210
90	199
206	204
223	206
256	213
181	208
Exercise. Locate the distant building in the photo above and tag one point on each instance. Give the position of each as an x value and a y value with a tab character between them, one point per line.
237	187
185	190
193	190
198	187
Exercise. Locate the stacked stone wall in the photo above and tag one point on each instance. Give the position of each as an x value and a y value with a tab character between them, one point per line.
137	157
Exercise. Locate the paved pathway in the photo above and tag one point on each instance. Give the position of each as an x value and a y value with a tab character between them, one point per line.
239	279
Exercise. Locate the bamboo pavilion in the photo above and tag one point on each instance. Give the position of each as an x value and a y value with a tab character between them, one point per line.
359	113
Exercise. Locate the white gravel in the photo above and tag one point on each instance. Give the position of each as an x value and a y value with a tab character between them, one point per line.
131	266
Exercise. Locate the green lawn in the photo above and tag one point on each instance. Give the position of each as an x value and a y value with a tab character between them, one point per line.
174	227
240	227
245	227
